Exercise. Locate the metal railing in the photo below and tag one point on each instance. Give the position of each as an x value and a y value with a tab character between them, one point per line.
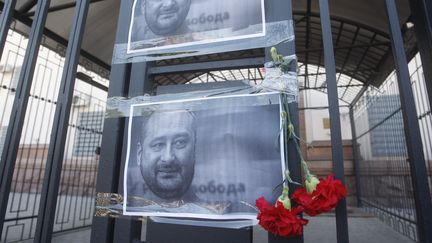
78	177
384	173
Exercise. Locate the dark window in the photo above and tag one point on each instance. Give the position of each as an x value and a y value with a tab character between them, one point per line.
388	138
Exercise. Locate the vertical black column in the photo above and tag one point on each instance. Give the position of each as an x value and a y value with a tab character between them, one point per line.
127	230
140	82
112	139
5	21
53	166
281	10
13	135
335	128
412	131
421	15
356	155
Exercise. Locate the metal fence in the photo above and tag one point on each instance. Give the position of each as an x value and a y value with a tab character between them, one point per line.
385	181
80	164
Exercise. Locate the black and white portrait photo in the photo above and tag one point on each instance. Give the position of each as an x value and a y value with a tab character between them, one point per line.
203	158
162	24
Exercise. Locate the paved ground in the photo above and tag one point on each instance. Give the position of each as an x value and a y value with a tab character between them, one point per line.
72	212
322	229
361	230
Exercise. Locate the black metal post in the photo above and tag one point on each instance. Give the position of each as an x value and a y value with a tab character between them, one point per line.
294	168
421	15
127	230
412	131
204	66
5	21
356	155
13	135
49	193
111	148
277	11
335	127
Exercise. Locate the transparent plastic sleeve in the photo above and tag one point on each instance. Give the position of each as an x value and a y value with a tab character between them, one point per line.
275	80
174	166
111	205
275	33
284	81
120	106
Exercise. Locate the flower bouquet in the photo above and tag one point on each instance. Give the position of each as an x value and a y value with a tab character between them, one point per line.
316	196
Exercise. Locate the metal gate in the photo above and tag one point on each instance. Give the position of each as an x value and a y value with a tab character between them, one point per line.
46	165
384	176
75	203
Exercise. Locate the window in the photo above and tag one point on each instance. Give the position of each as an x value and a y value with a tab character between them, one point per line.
388	137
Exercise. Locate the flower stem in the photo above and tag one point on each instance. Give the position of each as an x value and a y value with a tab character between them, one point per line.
289	128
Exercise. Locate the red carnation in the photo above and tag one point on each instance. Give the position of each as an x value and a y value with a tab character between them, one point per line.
325	197
278	220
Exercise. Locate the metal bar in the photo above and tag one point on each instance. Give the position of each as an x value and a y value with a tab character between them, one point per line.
380	123
335	127
309	6
109	168
217	76
421	16
300	20
27	6
339	34
278	10
324	92
342	47
359	63
360	93
318	69
48	33
203	66
356	156
19	107
59	8
319	107
5	21
341	27
346	21
87	79
344	62
381	43
339	86
412	130
111	148
127	230
224	77
53	166
21	218
379	207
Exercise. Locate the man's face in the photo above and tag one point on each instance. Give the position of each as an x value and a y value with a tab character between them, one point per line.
165	16
167	154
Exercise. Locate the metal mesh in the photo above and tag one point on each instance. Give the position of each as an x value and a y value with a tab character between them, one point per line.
77	187
385	179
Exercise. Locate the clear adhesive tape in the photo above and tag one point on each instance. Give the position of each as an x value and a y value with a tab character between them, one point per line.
276	33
